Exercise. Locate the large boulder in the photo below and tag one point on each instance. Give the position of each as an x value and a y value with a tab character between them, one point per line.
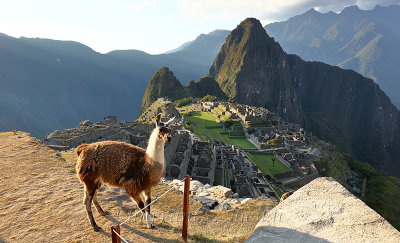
323	211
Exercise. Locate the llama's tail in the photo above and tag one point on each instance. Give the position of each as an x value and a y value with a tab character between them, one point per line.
80	148
79	166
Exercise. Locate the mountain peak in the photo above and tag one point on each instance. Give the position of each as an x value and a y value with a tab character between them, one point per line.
250	23
350	10
162	84
247	43
312	11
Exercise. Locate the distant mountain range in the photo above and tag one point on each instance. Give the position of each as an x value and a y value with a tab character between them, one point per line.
48	84
367	41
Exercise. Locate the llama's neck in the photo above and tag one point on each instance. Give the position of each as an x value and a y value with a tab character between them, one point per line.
155	148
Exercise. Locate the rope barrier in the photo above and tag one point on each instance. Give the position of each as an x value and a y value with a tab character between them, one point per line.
155	200
140	210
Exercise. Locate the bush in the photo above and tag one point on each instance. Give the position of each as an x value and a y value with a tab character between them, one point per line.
211	98
365	170
183	101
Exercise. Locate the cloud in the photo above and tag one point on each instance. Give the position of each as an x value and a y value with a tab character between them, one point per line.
268	10
140	5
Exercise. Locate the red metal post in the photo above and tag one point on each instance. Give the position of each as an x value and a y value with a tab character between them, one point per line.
186	208
114	237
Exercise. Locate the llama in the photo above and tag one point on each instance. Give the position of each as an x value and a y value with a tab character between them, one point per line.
123	165
286	195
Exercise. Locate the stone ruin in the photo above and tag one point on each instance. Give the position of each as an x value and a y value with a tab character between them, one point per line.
177	165
203	163
107	129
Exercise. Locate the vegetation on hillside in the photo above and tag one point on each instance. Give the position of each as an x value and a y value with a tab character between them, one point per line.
382	192
332	164
209	98
183	101
205	86
162	84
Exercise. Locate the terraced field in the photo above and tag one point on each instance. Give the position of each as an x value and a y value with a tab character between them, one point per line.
264	163
205	126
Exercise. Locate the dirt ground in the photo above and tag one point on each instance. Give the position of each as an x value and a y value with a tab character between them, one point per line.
41	201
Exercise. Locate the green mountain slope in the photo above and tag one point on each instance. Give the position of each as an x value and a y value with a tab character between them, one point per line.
162	84
204	86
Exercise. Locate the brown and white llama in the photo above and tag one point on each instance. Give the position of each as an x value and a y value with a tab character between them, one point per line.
123	165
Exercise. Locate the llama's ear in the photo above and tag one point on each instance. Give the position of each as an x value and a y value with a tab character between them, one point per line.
170	121
158	118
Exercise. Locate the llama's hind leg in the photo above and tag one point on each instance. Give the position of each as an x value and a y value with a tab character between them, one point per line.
147	198
90	191
97	205
140	204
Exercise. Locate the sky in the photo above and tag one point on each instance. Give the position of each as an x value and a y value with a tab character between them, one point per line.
153	26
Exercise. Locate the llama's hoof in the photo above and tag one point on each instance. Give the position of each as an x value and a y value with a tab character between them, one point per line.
151	226
105	213
97	228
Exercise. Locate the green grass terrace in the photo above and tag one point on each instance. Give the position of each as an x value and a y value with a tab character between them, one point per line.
264	164
201	120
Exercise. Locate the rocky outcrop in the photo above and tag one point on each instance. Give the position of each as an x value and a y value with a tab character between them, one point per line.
212	197
323	211
161	106
337	105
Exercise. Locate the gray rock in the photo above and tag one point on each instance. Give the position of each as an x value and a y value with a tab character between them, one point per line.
204	209
222	191
323	211
85	123
314	152
224	206
109	119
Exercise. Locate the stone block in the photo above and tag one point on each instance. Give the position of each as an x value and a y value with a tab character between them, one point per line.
222	191
224	206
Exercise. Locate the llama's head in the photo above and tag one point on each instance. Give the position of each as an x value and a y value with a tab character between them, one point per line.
164	132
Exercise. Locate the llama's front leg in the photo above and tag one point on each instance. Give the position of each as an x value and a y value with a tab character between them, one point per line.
89	194
147	198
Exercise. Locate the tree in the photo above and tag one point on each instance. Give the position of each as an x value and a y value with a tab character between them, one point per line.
211	98
227	123
273	143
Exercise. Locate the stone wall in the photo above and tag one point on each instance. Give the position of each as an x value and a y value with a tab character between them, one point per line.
107	129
